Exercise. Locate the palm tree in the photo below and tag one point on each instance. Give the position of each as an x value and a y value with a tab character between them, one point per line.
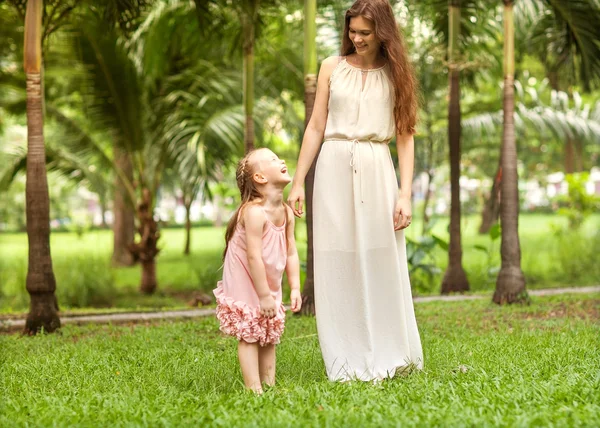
248	15
310	90
123	215
564	35
455	278
41	283
510	284
155	99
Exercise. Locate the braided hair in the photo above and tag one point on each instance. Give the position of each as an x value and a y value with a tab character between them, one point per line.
248	193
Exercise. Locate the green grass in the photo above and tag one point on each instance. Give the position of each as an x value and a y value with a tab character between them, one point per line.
485	365
85	278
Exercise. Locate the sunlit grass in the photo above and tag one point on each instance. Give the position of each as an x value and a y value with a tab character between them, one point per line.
484	366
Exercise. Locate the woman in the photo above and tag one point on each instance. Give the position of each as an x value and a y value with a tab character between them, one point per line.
365	315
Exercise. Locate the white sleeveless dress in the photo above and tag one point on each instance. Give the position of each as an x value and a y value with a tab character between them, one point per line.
365	316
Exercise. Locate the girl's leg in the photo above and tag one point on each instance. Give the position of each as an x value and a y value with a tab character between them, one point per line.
248	355
266	364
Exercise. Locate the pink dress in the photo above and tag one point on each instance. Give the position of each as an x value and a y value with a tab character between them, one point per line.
237	302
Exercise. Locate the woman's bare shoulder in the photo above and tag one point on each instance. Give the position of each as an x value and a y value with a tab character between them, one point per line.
329	64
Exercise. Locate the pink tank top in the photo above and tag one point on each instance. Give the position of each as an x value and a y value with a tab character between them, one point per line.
237	281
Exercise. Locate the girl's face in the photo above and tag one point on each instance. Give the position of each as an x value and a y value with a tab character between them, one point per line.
362	35
270	169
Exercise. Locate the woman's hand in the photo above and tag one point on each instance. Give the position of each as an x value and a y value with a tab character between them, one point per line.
402	213
296	200
268	306
296	298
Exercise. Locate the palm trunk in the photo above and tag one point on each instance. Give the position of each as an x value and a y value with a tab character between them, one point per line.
248	28
491	208
579	158
40	283
428	169
428	192
455	278
148	284
103	209
510	284
146	249
310	90
188	228
124	221
569	156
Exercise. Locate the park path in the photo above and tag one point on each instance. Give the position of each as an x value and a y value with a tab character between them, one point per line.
12	325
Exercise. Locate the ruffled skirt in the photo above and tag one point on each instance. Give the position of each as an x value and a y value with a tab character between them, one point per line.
245	323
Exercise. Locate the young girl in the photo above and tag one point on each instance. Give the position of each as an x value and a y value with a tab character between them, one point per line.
260	244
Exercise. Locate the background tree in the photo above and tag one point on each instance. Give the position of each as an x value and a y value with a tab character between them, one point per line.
41	284
455	278
310	90
510	285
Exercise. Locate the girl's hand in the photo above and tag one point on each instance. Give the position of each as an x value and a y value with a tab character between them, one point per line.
296	298
296	200
268	306
402	213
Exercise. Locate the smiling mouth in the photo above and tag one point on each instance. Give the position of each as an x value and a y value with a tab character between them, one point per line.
284	169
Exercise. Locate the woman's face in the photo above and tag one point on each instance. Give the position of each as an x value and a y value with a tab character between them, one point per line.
362	35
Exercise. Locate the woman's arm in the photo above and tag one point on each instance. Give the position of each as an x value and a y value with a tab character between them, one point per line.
405	143
313	135
292	267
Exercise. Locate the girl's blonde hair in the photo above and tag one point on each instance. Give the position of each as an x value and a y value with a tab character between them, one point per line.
248	192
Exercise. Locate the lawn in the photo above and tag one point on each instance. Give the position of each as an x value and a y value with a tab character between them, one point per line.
85	278
485	365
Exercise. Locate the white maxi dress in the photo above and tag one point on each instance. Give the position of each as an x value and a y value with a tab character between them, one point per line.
365	315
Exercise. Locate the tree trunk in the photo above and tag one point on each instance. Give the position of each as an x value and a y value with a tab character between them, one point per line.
123	221
40	282
103	209
491	209
188	228
148	285
569	156
426	218
510	284
455	278
579	159
147	249
248	28
310	90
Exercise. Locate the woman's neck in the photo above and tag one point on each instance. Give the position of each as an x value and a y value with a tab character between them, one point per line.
367	61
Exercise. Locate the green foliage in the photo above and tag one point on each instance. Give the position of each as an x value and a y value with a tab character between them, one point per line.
484	366
207	273
491	251
85	281
576	255
577	205
420	254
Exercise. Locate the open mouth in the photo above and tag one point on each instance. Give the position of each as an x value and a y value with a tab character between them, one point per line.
284	169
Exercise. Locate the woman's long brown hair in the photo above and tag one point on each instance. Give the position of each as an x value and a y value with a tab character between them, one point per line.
394	50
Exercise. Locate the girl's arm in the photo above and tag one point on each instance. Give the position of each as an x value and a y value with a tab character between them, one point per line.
292	266
313	135
254	222
405	143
